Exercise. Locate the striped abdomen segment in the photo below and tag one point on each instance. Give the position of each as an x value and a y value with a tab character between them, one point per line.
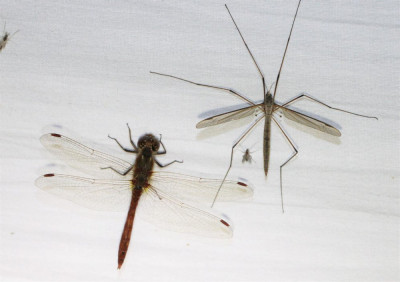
268	107
267	143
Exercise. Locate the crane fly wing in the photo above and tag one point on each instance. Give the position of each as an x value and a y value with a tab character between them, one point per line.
169	213
97	194
229	116
82	157
197	189
310	121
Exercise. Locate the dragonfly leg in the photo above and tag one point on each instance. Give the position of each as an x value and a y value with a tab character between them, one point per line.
162	144
164	165
130	139
295	99
125	149
288	160
117	171
155	192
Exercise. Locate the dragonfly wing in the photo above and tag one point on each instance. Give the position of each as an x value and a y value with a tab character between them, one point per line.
310	121
97	194
169	213
229	116
82	157
197	189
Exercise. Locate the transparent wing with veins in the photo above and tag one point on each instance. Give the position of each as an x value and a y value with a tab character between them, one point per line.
165	211
197	189
155	206
257	109
97	194
190	188
82	157
229	116
310	121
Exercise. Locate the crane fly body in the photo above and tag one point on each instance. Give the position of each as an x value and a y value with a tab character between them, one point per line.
160	196
265	111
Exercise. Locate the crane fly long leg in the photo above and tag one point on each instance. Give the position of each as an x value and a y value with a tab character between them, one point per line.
293	155
209	86
248	49
284	54
230	163
326	105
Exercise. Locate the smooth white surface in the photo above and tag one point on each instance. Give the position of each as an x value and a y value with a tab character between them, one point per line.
83	66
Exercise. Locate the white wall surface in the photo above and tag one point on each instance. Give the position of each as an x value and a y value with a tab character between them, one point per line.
83	67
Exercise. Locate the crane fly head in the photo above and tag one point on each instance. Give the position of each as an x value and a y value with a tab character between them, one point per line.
148	144
268	96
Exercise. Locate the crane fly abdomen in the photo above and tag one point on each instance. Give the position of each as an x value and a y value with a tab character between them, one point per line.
268	108
267	143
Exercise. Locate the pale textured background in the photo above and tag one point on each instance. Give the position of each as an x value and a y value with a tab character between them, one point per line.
83	66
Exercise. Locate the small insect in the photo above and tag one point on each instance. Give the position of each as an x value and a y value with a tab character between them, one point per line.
265	111
159	195
247	156
5	37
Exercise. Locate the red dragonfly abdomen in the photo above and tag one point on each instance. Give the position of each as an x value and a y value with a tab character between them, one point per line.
126	234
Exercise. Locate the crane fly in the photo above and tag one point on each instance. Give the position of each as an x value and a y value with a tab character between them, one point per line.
158	195
265	110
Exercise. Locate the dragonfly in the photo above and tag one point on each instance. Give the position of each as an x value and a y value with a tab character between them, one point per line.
159	196
265	111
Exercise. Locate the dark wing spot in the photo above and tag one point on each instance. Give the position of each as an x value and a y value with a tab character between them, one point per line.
242	184
49	175
55	135
224	222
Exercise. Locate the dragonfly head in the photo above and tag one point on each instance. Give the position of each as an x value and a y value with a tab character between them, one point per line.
148	144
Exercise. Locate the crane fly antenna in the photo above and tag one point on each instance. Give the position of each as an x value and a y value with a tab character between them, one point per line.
284	54
248	49
269	89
